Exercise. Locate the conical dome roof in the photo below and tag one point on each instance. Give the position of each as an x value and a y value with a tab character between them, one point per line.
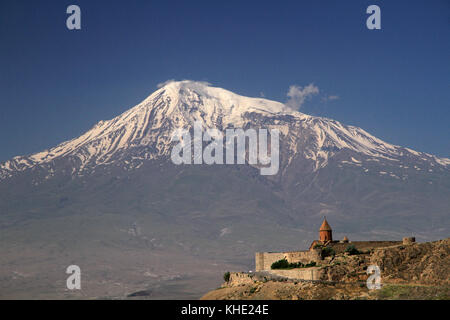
325	226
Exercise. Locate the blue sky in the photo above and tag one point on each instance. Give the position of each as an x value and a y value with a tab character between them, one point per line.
394	82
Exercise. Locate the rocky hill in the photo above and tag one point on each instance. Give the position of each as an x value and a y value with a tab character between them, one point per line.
416	271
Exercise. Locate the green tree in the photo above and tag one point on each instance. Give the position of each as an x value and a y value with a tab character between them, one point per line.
351	249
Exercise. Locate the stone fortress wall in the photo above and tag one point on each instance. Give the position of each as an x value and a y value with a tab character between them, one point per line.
264	260
243	278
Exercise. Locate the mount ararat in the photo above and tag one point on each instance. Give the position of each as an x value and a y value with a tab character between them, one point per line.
112	201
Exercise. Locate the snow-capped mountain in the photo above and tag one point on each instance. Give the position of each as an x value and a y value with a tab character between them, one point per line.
112	201
143	133
326	168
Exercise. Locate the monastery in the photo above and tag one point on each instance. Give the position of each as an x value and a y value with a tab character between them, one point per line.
264	260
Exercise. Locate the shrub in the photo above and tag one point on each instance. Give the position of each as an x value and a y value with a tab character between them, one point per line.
284	264
327	252
351	250
280	264
226	276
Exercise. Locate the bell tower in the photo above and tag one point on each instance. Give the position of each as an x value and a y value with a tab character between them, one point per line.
325	232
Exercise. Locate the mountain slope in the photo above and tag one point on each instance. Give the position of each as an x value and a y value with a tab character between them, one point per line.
114	194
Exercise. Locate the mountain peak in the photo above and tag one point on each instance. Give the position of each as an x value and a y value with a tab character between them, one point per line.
183	84
197	100
185	87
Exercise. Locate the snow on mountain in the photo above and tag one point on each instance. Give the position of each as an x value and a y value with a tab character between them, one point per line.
179	104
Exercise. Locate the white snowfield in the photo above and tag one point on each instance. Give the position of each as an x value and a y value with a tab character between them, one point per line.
180	104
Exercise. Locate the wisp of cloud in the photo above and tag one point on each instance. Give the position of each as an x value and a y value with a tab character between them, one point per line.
298	95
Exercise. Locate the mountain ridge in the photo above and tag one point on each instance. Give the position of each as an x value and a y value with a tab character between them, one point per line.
179	104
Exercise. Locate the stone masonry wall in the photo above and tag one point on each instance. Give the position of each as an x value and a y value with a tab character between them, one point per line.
298	274
303	256
264	260
244	278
